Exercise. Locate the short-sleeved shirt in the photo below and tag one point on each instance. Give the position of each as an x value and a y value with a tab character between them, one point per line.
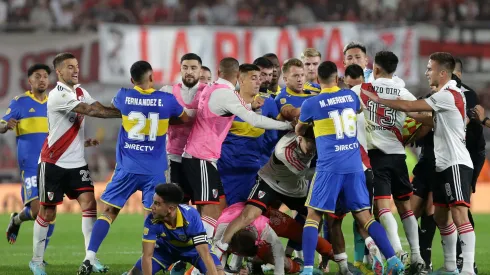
333	114
188	232
31	129
449	105
65	144
141	144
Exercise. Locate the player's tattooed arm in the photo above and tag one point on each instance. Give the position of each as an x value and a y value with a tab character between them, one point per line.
289	112
97	110
205	254
146	258
401	105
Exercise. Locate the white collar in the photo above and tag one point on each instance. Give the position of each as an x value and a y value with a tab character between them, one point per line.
451	83
59	83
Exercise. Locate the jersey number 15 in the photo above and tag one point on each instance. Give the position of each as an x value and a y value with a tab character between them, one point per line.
138	131
344	123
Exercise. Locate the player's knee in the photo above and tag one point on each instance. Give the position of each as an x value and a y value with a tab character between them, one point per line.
87	201
460	215
34	205
403	205
111	211
48	212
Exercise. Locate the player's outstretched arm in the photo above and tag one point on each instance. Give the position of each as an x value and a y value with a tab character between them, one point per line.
146	264
7	125
289	113
97	110
402	105
422	118
205	254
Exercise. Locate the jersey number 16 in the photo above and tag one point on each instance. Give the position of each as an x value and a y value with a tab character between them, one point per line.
142	127
344	123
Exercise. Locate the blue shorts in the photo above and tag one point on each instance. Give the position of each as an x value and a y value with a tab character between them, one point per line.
237	181
332	192
124	184
29	190
163	259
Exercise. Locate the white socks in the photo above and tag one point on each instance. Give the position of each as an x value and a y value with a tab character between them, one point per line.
88	220
389	223
449	239
467	238
411	228
40	235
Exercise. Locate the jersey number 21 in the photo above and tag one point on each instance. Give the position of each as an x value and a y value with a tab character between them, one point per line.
138	131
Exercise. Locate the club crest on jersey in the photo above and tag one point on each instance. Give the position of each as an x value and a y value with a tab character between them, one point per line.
182	237
29	192
283	100
50	196
261	194
215	193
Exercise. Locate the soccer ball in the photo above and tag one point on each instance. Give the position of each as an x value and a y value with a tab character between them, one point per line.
410	127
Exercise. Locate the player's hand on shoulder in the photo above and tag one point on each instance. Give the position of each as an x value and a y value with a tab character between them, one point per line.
12	123
374	97
258	102
91	142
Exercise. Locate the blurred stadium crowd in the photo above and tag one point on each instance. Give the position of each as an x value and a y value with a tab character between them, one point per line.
84	15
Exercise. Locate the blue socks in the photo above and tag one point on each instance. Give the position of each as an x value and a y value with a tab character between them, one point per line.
310	240
50	232
378	233
99	232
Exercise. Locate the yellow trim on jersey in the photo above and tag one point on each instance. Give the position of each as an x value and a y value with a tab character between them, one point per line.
31	95
330	90
324	127
105	219
309	87
293	93
308	197
179	223
301	122
145	92
278	89
110	204
32	125
181	244
149	241
244	129
162	126
164	266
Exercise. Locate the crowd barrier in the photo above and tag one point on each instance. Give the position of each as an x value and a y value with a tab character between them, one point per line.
10	200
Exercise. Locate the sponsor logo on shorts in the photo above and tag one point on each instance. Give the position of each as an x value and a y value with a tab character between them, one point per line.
50	196
261	194
215	193
448	191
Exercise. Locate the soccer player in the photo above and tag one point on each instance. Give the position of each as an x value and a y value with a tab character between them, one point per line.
452	189
218	105
187	94
311	58
244	146
205	75
339	177
291	97
475	141
276	73
62	168
174	232
387	156
27	116
140	155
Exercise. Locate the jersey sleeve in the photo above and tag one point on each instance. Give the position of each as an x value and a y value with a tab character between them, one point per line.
13	111
88	98
272	111
287	156
116	101
149	232
270	237
63	101
195	229
306	113
441	101
176	110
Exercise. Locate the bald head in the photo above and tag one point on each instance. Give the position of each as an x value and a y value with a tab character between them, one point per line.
228	67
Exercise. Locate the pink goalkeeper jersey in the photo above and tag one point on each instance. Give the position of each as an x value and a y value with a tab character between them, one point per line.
178	134
232	212
209	129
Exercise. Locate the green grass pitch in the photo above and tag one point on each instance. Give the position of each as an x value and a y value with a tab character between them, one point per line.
122	247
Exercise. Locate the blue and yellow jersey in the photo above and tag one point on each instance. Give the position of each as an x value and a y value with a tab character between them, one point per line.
187	233
310	87
32	127
245	144
333	113
141	145
289	97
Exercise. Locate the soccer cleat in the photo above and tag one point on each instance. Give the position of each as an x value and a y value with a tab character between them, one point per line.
85	268
98	267
459	262
467	273
363	269
405	259
416	267
377	266
306	271
12	229
37	268
395	266
254	268
178	268
443	271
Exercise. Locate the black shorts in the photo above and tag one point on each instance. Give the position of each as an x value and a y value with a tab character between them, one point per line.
263	196
424	176
54	182
178	177
390	176
202	180
478	162
453	186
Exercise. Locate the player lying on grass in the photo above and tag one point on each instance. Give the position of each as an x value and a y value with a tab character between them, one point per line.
260	238
174	232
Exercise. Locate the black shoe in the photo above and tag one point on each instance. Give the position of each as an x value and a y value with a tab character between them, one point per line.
85	268
12	229
255	268
475	268
459	263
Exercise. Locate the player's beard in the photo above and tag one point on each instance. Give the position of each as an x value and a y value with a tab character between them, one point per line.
190	84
